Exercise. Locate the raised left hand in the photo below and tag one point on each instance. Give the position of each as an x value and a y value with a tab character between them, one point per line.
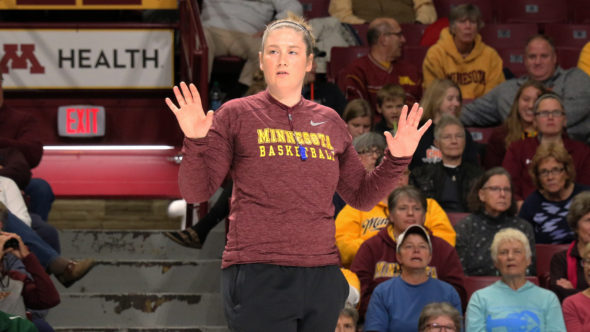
408	135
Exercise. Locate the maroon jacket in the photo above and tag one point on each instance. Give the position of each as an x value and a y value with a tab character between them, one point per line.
376	262
520	153
20	130
38	290
281	208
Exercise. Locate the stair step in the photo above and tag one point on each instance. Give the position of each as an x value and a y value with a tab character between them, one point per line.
149	310
133	244
165	276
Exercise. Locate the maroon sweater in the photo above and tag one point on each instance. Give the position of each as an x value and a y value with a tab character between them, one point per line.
376	262
281	208
365	76
20	130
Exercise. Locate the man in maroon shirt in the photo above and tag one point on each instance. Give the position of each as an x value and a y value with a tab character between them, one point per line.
368	74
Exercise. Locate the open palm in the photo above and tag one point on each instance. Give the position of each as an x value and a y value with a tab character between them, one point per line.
189	113
407	135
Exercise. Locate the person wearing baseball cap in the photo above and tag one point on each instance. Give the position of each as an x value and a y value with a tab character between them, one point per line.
396	304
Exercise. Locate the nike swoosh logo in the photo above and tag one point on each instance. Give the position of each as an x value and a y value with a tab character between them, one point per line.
316	123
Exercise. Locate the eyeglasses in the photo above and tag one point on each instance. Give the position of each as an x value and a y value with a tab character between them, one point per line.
497	190
439	327
553	114
373	151
456	136
554	171
399	34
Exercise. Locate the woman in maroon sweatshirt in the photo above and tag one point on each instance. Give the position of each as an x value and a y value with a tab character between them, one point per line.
287	156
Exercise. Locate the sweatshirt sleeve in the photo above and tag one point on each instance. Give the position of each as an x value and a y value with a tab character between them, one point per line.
363	266
27	140
352	84
438	222
558	270
554	316
483	111
348	234
475	317
511	165
425	11
363	190
206	161
571	316
38	291
453	273
496	74
432	67
342	10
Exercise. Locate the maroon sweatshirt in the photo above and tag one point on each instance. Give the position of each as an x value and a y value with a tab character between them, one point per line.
281	208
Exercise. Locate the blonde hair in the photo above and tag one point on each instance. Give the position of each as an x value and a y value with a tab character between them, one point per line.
296	23
434	95
357	108
390	92
514	121
509	234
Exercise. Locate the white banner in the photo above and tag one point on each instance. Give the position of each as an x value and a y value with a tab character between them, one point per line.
86	59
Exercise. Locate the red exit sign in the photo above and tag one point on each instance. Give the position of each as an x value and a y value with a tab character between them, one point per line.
81	121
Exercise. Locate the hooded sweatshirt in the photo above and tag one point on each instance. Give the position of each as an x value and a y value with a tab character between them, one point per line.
476	74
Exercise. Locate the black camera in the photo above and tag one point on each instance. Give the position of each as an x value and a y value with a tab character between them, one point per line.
11	243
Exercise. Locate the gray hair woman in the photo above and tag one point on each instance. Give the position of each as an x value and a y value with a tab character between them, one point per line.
513	303
439	316
493	207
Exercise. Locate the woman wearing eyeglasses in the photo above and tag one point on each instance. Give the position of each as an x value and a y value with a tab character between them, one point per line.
550	121
553	173
568	276
439	317
494	208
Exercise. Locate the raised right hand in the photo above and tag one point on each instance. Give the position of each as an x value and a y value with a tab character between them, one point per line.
190	115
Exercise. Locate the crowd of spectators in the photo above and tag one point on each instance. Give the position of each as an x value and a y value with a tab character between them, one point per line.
526	185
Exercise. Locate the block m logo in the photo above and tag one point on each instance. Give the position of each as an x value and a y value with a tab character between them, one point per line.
20	61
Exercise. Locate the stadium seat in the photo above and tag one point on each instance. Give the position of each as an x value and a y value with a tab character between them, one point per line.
474	283
567	57
513	59
532	11
315	8
508	35
361	32
544	253
415	55
568	35
455	217
413	33
443	8
340	57
579	11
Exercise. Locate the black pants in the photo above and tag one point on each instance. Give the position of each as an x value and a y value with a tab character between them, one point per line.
263	297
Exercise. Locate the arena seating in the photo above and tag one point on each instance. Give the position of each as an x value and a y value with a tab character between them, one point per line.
544	253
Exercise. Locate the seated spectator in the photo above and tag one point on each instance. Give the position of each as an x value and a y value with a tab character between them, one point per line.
440	316
347	320
550	120
462	56
359	12
450	180
234	27
519	124
576	308
376	261
552	170
390	100
584	59
494	208
353	227
358	117
396	304
27	285
366	75
513	303
442	97
19	130
540	61
66	271
567	275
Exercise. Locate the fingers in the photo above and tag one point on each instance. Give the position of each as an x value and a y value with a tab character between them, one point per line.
424	127
188	96
195	94
403	117
179	97
171	105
